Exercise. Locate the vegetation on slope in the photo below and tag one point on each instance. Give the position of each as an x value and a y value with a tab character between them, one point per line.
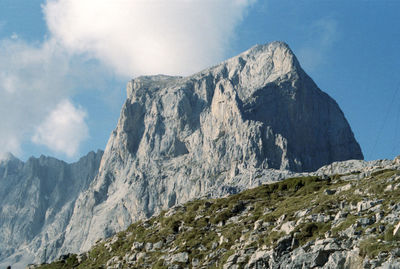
208	233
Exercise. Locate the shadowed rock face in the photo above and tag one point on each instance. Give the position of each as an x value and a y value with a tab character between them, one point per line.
210	134
37	198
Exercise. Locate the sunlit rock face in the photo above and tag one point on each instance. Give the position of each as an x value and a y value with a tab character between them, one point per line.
254	118
37	198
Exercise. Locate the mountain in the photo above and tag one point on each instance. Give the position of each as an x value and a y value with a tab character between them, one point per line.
255	118
37	198
345	215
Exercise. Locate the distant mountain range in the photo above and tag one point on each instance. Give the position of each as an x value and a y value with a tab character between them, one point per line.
37	199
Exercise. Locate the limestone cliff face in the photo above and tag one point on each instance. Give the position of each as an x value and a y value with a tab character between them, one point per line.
212	133
37	198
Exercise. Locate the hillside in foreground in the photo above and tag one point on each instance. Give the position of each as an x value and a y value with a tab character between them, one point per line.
345	220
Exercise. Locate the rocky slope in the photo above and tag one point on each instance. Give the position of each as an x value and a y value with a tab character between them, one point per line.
212	133
37	198
316	220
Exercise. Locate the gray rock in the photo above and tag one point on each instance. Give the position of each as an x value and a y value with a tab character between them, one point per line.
344	188
137	246
112	261
158	245
182	257
129	258
258	224
284	245
379	215
288	227
280	220
396	230
319	258
390	265
148	246
370	230
32	266
341	215
366	221
82	257
332	246
141	256
395	252
232	259
365	205
195	262
241	259
336	260
259	259
37	198
302	213
319	217
175	266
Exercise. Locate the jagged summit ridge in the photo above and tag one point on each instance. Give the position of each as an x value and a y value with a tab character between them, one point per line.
37	198
211	133
252	69
6	157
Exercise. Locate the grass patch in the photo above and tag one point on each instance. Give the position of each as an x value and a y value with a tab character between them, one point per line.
195	227
309	231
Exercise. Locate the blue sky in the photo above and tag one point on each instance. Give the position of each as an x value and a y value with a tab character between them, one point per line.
64	64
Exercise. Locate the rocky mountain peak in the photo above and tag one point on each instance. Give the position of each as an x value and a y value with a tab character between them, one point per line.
266	61
253	68
7	157
255	118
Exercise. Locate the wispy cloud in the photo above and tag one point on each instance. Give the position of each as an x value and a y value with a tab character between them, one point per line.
33	80
63	130
29	80
147	37
89	38
322	35
14	36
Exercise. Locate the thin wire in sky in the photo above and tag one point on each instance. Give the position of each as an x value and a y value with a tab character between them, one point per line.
385	119
396	139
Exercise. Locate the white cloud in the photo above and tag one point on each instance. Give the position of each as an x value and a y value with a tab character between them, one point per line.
63	130
147	36
29	83
322	35
33	80
92	40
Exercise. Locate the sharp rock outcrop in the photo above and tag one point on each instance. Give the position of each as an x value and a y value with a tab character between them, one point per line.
213	133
